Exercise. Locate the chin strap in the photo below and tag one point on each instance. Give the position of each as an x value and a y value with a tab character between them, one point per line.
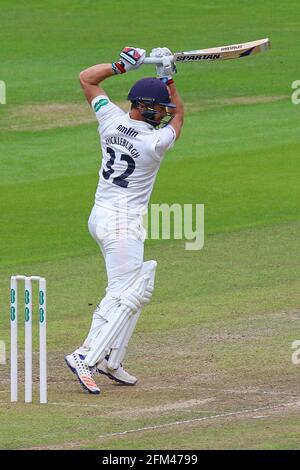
162	123
148	114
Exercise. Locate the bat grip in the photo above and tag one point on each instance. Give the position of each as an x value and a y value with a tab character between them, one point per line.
156	60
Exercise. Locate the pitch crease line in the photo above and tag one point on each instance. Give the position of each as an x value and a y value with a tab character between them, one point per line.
204	418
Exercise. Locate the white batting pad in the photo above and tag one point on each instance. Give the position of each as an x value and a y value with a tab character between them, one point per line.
130	302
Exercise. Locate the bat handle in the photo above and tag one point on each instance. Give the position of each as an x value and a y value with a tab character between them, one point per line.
156	60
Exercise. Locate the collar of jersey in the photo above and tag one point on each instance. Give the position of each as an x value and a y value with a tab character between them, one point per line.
141	124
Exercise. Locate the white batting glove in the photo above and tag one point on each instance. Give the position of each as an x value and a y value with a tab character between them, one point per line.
131	59
167	69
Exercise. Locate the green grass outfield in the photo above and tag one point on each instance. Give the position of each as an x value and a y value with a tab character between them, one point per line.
213	349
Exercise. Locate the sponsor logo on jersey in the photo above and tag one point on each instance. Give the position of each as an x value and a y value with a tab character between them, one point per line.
100	103
130	132
185	58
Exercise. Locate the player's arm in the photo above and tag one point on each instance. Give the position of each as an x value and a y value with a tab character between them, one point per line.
130	59
91	78
177	121
165	71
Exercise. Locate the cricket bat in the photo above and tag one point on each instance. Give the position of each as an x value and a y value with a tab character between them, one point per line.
234	51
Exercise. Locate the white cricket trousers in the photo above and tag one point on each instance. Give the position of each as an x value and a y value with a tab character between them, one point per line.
121	240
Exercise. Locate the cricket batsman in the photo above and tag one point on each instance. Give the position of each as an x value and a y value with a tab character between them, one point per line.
133	145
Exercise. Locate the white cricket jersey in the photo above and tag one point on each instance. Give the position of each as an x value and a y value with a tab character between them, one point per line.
131	154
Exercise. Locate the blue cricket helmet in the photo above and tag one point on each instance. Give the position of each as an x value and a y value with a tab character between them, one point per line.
151	89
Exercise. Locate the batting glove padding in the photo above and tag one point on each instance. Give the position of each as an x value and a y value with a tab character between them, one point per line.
167	69
131	59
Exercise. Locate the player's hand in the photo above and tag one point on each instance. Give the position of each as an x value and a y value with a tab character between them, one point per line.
167	68
131	58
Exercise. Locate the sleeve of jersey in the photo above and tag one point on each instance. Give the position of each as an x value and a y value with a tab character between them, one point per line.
166	140
104	109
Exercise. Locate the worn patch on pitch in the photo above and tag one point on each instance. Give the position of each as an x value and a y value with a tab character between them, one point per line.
208	103
44	116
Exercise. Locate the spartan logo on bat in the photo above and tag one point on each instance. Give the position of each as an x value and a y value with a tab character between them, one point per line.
186	58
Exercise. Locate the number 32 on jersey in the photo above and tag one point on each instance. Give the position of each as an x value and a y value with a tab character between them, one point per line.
121	179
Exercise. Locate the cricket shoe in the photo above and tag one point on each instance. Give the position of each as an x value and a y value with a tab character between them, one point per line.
118	375
84	373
